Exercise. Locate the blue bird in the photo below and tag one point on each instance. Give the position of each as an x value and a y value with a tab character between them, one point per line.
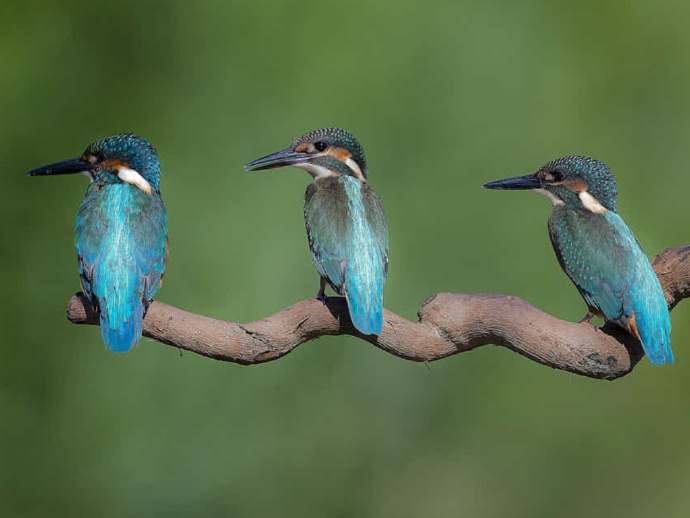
598	252
121	232
346	226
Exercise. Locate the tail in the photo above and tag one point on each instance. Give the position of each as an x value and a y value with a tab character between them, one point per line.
364	282
653	325
121	329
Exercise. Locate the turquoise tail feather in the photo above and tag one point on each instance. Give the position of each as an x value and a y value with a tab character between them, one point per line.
121	245
124	337
364	265
364	279
348	240
365	311
654	325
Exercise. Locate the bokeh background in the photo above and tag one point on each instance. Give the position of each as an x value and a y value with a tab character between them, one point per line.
444	96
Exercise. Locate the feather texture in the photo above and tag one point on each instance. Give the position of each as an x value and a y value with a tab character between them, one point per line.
348	239
121	247
606	262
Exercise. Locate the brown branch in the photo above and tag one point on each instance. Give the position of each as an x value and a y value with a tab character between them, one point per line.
448	324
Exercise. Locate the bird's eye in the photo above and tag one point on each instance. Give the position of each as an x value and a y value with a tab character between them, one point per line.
91	158
556	176
321	146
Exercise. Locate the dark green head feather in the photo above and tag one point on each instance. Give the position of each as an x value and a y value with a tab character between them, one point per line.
324	152
123	158
567	176
110	154
578	182
333	139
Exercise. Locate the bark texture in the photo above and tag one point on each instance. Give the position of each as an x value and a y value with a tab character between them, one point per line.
448	324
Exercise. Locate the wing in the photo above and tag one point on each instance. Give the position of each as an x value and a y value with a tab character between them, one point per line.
367	257
607	264
348	239
325	215
591	253
121	246
377	222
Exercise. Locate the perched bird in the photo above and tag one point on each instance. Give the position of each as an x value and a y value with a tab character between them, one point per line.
121	232
345	222
597	250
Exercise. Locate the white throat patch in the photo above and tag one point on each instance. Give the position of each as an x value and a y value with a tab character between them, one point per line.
315	170
554	199
355	168
134	177
590	203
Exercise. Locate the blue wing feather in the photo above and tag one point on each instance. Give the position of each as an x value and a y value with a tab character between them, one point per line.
608	266
121	245
349	244
327	234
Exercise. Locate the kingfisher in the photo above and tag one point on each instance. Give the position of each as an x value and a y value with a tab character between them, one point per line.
598	252
346	226
121	232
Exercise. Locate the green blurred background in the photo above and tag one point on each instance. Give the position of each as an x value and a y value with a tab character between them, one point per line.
444	97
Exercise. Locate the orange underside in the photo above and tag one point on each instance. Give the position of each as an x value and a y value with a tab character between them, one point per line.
165	268
630	326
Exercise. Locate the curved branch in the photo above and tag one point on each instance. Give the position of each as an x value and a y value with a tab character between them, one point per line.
448	324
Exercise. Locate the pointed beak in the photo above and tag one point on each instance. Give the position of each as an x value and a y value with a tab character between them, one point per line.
75	165
518	183
280	159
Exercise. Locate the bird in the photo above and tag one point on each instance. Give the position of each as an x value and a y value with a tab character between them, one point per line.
121	232
346	225
599	252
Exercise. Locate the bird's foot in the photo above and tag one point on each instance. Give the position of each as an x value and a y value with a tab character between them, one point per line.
321	295
589	316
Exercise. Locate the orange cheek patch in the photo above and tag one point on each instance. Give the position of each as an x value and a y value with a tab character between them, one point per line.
339	153
576	186
115	163
302	149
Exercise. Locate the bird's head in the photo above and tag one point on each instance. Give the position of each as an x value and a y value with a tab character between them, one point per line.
579	182
324	152
115	159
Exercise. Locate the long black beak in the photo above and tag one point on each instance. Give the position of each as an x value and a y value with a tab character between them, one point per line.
279	159
75	165
518	183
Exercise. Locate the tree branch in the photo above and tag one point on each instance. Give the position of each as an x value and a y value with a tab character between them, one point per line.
448	324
